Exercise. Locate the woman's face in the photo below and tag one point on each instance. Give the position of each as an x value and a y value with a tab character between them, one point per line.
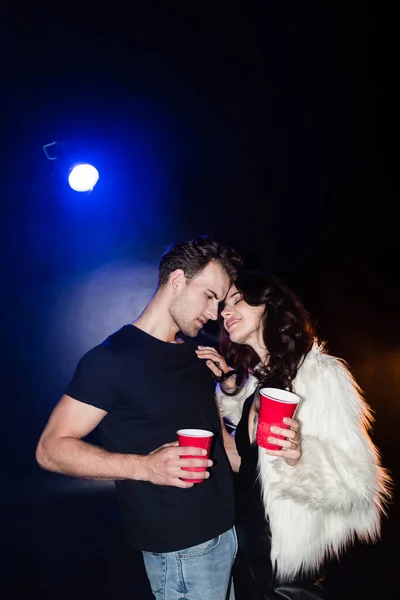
242	321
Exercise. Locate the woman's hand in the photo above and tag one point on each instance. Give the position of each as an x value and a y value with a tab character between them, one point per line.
216	363
291	446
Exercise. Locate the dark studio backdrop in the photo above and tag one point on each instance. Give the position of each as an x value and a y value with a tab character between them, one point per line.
270	126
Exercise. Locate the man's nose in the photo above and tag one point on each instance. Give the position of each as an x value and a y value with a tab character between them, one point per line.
212	313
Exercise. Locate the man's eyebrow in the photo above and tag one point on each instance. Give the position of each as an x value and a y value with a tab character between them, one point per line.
213	294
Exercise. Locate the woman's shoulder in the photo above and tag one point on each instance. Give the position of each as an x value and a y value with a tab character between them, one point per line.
320	359
326	381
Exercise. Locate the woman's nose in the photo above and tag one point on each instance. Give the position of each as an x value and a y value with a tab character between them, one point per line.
225	312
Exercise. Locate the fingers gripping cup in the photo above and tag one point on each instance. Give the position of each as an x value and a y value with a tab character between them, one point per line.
275	405
197	438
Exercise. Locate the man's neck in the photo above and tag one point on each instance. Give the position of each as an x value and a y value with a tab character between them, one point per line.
157	322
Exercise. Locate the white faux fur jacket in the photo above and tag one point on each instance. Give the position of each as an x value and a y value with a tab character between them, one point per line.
338	490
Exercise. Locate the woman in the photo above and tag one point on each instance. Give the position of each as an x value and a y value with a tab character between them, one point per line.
299	505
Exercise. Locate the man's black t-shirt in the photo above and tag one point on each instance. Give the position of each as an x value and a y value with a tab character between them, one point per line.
150	389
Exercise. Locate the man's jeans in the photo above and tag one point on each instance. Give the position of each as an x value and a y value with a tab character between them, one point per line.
202	572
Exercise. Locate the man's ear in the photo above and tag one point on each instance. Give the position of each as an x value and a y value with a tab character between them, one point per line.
177	280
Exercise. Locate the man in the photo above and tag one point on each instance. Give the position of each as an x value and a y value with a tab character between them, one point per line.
139	387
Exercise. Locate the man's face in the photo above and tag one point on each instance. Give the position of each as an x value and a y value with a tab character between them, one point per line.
198	300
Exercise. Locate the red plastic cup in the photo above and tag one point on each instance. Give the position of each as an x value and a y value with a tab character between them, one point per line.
275	405
197	438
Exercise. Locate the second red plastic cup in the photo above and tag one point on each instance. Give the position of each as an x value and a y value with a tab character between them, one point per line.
275	405
197	438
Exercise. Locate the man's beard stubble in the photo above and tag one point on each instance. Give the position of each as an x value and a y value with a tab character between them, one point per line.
185	325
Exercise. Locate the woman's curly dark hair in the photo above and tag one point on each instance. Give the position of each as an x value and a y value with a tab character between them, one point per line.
288	332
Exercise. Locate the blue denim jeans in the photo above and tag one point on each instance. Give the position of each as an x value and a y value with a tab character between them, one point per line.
203	572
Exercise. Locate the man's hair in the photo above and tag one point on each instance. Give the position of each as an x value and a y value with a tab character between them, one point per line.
194	255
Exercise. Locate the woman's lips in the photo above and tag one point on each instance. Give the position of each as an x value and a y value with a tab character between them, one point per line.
231	323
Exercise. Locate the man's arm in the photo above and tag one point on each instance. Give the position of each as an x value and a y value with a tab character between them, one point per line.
61	449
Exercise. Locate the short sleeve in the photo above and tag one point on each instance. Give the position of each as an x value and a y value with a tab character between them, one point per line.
96	379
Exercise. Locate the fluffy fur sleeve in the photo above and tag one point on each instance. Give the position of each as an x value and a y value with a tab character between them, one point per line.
340	467
231	406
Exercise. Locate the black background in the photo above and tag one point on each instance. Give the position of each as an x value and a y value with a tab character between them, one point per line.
271	126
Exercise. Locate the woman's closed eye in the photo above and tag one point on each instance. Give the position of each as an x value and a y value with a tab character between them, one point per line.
233	303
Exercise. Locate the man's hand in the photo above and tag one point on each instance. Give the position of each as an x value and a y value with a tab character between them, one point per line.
163	466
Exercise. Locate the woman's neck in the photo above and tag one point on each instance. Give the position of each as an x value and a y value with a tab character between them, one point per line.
259	348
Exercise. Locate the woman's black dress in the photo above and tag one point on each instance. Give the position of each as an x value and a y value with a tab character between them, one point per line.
253	574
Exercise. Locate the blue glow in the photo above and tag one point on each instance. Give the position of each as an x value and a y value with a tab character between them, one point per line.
83	177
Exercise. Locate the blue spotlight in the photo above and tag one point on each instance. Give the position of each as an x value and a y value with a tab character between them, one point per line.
83	177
